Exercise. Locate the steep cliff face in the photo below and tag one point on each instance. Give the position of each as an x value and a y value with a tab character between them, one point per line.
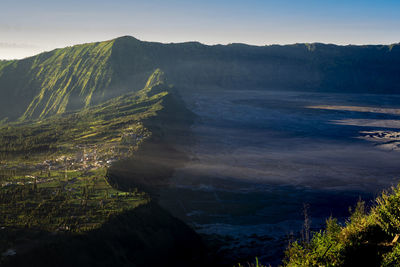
83	75
57	81
156	159
317	67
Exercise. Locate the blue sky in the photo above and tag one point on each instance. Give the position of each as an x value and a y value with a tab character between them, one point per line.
29	27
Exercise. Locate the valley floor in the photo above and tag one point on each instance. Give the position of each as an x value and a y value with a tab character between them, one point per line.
258	156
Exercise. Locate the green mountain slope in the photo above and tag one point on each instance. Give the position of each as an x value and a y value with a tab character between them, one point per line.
111	122
55	187
60	80
77	77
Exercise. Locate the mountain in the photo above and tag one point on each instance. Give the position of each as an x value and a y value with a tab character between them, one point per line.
110	122
80	76
64	190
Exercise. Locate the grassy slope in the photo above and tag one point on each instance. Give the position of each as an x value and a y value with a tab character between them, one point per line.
70	75
56	81
105	123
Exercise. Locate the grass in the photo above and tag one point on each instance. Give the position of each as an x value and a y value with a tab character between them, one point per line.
74	71
368	238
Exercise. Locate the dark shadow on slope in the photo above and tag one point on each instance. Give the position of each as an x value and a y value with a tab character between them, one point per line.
156	160
145	236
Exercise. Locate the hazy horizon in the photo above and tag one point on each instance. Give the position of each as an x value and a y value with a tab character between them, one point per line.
27	29
22	46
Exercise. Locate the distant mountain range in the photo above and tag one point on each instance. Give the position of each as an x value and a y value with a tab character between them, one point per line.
77	77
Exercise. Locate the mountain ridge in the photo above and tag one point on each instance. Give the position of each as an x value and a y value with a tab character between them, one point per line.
80	76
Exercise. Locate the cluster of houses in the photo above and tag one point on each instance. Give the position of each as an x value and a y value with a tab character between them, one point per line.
85	159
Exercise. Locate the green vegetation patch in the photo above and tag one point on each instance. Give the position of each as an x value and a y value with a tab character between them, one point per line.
366	239
58	202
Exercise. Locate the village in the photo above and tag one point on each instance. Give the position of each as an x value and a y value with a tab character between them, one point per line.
87	158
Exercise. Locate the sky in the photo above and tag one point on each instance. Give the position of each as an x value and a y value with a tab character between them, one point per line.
29	27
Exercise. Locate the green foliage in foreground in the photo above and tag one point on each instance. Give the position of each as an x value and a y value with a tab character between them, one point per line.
366	239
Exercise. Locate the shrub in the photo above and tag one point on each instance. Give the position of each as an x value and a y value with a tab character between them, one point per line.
364	240
323	249
387	211
392	258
